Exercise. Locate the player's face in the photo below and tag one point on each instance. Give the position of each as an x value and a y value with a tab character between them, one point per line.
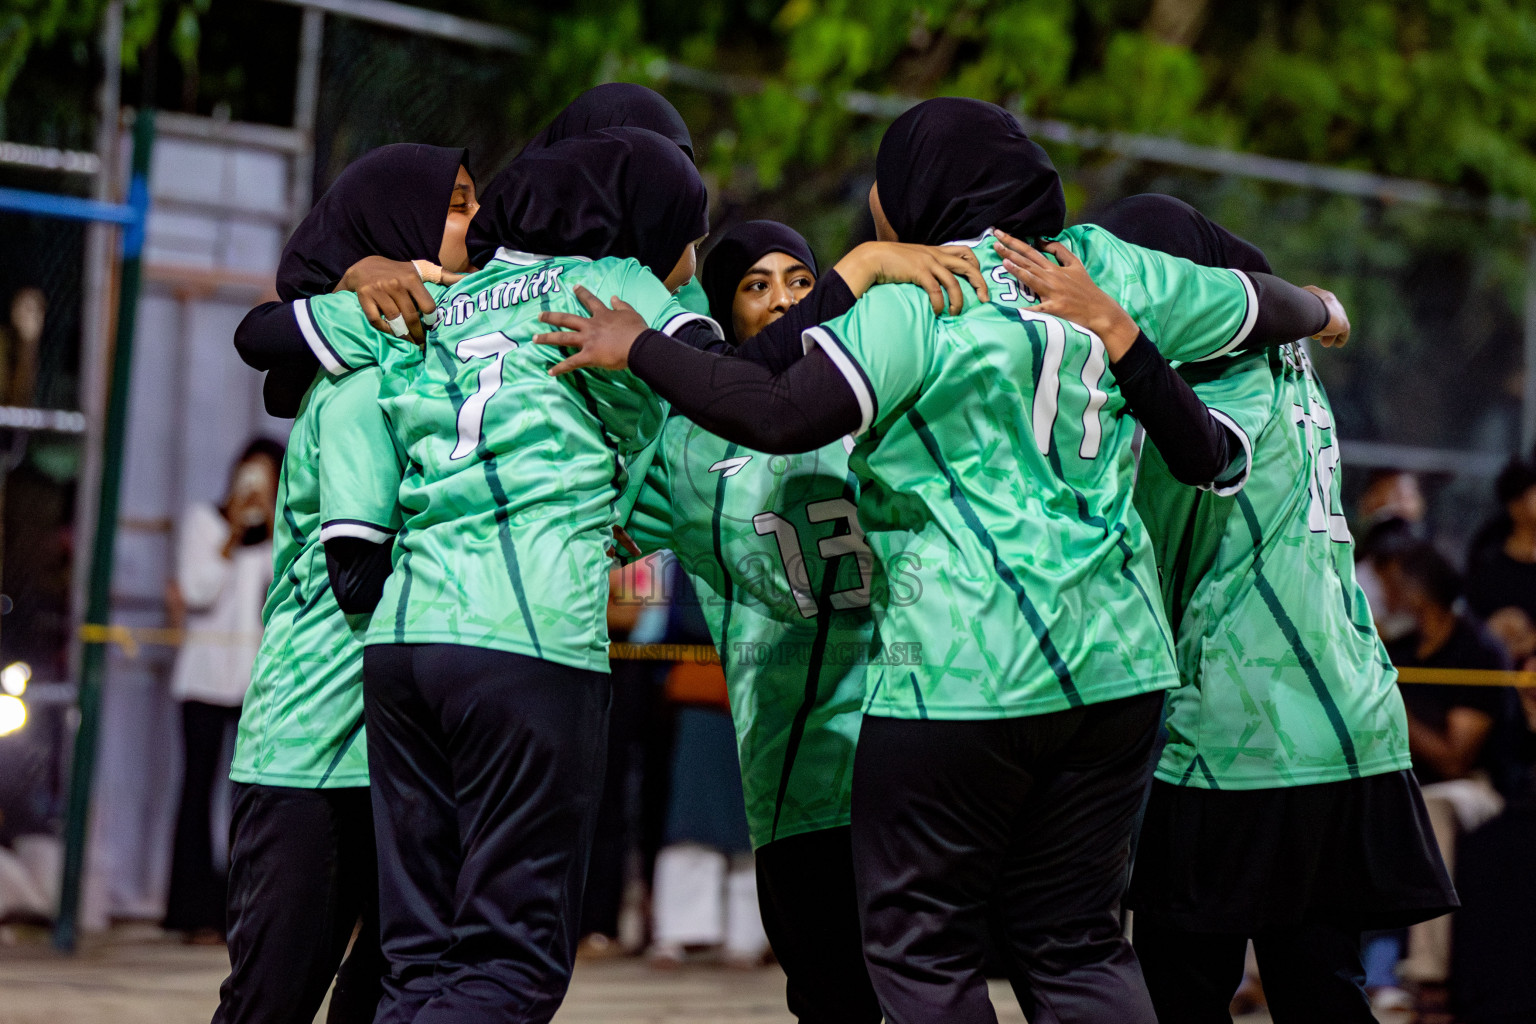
453	254
775	282
883	230
687	263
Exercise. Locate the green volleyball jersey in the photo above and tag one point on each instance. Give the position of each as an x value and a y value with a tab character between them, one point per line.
773	546
995	468
1287	681
302	722
515	477
692	298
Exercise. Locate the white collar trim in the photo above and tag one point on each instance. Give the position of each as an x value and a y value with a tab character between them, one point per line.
971	243
519	258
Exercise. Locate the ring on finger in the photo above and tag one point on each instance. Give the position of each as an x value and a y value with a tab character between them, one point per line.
397	326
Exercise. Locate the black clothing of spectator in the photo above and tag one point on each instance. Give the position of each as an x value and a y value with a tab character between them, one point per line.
1498	581
1469	646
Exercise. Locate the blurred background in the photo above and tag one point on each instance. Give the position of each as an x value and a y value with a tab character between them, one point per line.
1380	148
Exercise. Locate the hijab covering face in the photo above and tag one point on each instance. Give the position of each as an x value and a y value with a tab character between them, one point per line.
735	253
390	202
616	192
615	105
1156	221
949	169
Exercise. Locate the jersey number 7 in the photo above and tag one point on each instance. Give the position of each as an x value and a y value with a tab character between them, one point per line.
472	413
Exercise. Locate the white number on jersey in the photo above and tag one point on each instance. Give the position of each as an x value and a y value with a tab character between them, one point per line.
1048	391
1323	515
793	555
1010	288
472	413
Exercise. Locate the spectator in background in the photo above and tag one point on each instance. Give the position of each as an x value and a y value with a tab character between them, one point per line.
1449	731
1391	517
223	569
1501	572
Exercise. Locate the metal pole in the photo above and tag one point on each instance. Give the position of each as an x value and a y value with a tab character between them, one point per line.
95	317
306	103
99	602
1528	396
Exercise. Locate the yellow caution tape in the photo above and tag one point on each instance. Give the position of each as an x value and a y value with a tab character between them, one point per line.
132	638
1467	677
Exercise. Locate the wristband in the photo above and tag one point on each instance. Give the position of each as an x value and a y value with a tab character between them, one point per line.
430	272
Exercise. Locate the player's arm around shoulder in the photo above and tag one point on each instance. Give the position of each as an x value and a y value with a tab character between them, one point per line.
1242	397
885	347
340	335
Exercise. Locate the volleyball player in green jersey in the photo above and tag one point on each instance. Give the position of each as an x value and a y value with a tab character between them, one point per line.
1283	808
302	852
776	555
486	687
997	778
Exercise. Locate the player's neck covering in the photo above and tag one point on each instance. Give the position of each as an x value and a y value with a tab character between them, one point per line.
949	169
1156	221
616	192
390	202
735	253
615	105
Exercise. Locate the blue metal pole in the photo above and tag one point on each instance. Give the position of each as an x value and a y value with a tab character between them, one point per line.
46	204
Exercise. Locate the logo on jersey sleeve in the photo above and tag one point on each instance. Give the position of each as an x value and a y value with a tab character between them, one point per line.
730	467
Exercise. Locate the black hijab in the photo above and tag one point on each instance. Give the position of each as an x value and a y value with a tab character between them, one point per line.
734	254
1156	221
389	202
950	168
615	192
615	105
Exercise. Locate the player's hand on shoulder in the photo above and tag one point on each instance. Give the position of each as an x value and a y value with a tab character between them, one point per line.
1336	332
392	296
934	268
602	339
1065	289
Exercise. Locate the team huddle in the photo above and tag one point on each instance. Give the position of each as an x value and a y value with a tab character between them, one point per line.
1020	544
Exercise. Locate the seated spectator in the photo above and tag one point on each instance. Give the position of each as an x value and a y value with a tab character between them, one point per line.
1503	575
1448	724
1391	518
1449	729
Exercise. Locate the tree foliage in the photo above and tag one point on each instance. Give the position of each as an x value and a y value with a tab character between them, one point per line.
1443	90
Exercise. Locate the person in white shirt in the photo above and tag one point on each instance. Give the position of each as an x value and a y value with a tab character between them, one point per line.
223	569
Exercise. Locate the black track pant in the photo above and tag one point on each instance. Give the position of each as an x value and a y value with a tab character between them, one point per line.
198	894
1312	973
487	769
1022	825
811	914
301	878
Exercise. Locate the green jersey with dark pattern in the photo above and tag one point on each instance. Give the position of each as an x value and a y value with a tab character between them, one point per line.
995	469
515	478
1287	683
773	546
302	721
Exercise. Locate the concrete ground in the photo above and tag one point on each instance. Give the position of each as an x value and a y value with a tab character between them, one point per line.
137	978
